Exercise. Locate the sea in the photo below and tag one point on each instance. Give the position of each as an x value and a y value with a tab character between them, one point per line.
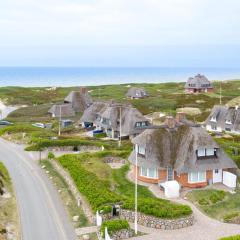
92	76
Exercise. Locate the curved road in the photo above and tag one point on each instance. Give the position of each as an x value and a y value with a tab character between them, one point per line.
42	214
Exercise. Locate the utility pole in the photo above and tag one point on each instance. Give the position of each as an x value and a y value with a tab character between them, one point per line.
136	190
60	120
120	128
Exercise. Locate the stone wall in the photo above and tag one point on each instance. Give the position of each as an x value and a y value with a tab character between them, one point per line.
80	148
123	234
154	222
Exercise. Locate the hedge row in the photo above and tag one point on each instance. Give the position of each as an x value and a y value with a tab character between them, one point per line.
114	226
100	194
45	143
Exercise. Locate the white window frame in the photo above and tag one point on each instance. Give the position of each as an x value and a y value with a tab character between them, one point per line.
198	180
147	176
202	150
141	150
212	152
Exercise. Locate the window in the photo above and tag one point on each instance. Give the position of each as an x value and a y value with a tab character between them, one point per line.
201	152
213	119
141	150
138	124
196	177
210	152
149	172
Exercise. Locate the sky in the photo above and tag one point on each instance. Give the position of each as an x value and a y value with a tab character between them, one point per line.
120	33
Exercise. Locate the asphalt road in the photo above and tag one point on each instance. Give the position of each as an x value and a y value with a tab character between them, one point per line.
42	214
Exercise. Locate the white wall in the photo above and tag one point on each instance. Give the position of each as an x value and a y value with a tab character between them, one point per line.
229	179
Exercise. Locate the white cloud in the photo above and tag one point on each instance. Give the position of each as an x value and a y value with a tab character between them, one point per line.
119	22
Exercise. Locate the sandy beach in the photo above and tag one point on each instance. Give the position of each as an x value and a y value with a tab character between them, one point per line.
6	110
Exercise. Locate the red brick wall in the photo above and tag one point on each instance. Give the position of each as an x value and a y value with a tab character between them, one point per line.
183	180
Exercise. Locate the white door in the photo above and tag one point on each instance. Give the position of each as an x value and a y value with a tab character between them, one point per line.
217	175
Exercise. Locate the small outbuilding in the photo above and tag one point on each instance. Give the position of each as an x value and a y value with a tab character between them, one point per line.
198	84
171	189
136	93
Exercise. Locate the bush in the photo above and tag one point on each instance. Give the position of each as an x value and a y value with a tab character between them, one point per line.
230	216
217	196
44	143
203	201
114	226
237	237
100	135
101	195
51	155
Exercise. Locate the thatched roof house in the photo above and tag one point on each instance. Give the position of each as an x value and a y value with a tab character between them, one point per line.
135	93
198	84
179	150
223	118
65	110
90	115
115	119
80	100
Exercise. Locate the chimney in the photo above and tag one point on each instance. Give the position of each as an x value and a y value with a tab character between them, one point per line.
180	116
83	90
170	122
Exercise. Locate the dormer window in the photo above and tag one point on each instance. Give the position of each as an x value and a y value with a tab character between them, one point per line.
141	124
213	119
140	149
206	152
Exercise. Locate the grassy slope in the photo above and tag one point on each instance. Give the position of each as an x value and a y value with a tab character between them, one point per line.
103	186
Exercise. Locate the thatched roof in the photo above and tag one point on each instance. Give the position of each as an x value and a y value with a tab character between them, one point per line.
80	100
198	82
176	147
135	92
223	114
91	113
110	118
66	110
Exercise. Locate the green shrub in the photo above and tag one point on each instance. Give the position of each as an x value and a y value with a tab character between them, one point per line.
237	237
45	143
51	155
230	216
217	196
114	226
100	135
203	201
101	195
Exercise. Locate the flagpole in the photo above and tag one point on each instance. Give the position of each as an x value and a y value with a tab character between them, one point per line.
136	191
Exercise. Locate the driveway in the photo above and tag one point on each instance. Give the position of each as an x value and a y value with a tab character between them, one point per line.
42	214
205	228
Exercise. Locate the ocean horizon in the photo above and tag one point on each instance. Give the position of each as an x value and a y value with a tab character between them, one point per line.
92	76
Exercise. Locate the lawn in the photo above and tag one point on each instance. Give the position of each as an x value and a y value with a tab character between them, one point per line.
217	204
103	186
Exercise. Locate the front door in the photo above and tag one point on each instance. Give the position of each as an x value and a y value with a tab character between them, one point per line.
217	175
